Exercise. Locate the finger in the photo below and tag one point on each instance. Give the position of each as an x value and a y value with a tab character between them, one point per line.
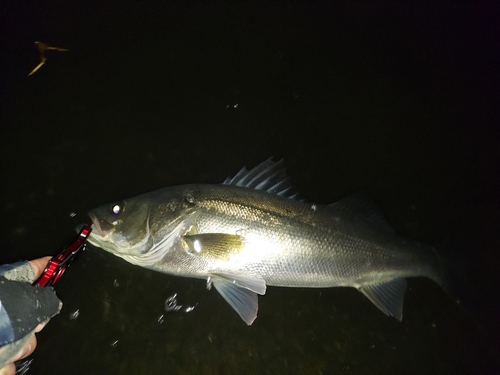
39	265
40	326
9	369
27	349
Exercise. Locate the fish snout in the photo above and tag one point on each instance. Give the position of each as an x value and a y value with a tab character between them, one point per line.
101	226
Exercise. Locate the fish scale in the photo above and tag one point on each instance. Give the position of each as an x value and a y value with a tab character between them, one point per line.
308	258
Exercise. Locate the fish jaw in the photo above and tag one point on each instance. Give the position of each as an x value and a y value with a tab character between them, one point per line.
101	227
101	232
104	235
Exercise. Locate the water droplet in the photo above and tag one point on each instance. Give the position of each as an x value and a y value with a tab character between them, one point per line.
74	315
72	214
161	319
314	207
114	343
171	303
190	308
22	367
116	284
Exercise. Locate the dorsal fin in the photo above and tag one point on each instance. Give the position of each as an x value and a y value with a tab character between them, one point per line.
360	205
268	176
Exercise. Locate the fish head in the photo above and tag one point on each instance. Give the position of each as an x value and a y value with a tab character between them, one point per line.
122	227
144	228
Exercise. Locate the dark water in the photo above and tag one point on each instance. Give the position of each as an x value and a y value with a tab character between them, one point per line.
398	100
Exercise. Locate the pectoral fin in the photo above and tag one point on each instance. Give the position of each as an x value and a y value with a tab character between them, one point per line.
241	293
214	245
387	296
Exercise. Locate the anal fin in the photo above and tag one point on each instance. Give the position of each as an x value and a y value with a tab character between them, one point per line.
387	296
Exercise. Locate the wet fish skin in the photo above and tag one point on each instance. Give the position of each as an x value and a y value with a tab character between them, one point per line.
242	237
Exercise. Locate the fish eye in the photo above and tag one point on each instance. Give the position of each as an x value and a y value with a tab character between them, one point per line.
117	209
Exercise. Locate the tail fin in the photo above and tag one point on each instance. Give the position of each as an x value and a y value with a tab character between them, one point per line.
451	273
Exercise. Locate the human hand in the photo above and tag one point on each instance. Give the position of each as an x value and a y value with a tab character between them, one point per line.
25	351
26	345
38	265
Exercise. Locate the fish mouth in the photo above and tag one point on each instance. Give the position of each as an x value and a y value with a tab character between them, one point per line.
101	227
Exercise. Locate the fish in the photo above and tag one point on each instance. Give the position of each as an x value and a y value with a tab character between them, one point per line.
253	231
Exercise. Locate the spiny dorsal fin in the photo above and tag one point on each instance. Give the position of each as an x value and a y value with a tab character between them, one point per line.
360	205
268	176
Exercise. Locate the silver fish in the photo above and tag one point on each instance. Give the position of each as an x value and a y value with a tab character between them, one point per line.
251	232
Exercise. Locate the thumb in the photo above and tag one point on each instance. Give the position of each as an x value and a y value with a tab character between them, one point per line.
38	265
